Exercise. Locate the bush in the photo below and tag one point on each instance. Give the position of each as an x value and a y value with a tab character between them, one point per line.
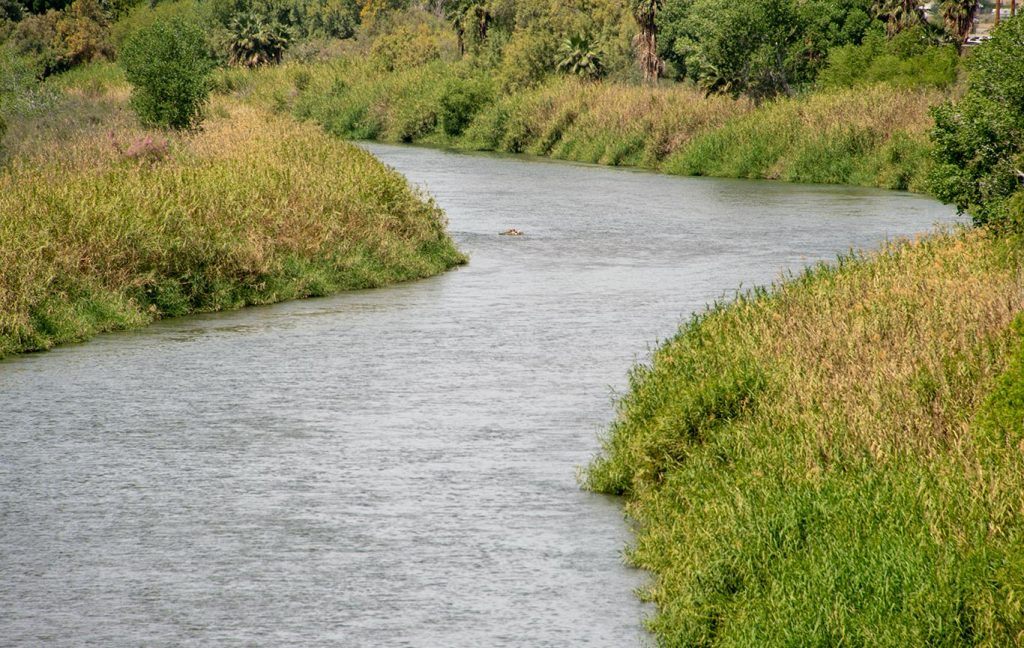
144	15
59	40
404	48
528	59
460	102
34	39
83	34
168	66
906	60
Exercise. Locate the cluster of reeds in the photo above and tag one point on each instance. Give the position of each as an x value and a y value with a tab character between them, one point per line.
838	459
872	135
116	226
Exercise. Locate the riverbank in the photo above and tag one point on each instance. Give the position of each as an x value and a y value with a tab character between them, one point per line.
836	459
872	135
105	226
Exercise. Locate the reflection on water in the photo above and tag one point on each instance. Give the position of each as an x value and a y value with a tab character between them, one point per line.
391	467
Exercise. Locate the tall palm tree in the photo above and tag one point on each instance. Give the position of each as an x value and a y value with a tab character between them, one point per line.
255	41
898	14
646	41
958	16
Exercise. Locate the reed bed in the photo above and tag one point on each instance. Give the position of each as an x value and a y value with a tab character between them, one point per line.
874	135
837	459
116	226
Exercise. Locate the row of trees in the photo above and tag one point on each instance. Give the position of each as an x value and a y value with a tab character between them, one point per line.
758	48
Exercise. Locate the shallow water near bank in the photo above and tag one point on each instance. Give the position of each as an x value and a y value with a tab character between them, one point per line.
392	467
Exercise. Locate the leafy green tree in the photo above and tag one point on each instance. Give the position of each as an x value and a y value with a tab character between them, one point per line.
979	140
168	66
758	48
580	57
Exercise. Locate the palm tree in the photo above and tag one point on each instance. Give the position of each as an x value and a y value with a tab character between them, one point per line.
646	41
958	16
580	58
898	15
255	41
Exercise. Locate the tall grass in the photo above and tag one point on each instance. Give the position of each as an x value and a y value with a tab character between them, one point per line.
873	135
838	460
113	228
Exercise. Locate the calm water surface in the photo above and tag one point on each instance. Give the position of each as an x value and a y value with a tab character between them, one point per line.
392	467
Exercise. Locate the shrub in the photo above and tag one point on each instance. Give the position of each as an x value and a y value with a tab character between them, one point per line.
168	67
34	39
405	47
528	59
145	15
907	60
83	34
460	102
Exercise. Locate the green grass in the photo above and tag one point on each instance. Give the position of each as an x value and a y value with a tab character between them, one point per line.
872	135
837	460
104	225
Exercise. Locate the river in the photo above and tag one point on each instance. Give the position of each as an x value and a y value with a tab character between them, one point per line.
392	467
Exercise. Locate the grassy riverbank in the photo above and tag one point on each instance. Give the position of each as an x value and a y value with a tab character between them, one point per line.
104	225
874	135
837	460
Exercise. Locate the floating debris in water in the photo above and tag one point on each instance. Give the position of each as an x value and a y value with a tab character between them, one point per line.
511	232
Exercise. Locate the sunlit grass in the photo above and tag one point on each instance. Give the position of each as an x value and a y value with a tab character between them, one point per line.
873	135
831	462
104	225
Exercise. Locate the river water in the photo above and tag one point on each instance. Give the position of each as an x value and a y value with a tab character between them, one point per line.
392	467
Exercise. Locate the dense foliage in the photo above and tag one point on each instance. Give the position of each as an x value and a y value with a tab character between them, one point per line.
759	48
910	58
59	40
979	140
168	67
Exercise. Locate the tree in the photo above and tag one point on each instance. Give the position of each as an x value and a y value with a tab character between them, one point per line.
255	40
758	48
579	57
958	17
168	66
979	141
899	15
645	12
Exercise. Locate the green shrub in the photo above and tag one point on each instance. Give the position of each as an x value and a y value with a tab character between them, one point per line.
168	67
460	102
405	48
83	34
907	60
145	15
34	39
528	59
